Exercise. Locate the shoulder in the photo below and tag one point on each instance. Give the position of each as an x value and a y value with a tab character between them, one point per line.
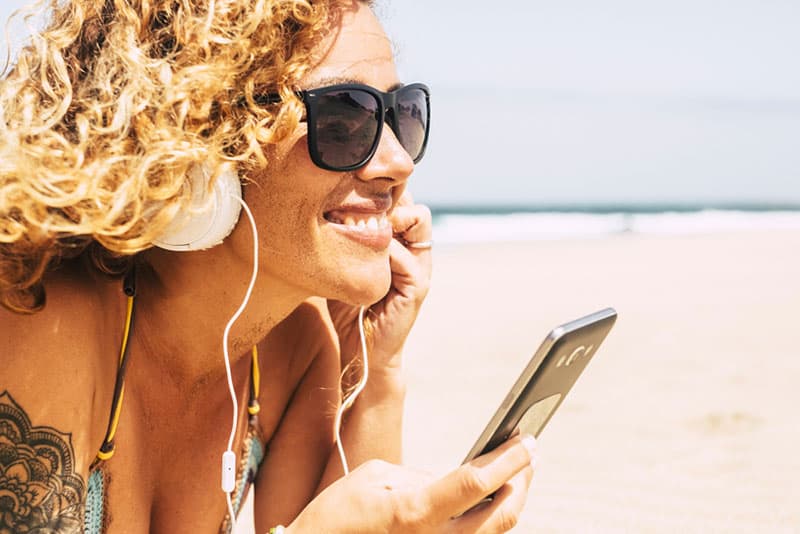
52	362
64	333
54	401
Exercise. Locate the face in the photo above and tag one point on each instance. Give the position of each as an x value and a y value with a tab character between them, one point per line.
328	233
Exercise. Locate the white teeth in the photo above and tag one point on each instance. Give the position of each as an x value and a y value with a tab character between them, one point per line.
362	223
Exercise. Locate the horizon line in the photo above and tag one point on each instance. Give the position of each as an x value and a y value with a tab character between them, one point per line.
501	208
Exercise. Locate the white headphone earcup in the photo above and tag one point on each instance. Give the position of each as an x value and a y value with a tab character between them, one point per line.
210	218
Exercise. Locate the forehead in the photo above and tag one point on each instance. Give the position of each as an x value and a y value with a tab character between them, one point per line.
357	50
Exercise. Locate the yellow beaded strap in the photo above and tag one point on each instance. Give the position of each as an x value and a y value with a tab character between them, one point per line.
107	448
255	384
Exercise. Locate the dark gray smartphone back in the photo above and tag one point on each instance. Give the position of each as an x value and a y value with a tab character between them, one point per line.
550	374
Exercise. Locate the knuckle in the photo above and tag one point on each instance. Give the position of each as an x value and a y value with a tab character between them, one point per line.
411	515
411	512
473	481
507	519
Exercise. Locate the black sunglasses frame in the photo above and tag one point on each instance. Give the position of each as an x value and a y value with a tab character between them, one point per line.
387	111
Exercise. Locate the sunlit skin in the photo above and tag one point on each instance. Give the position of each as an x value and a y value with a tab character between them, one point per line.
315	271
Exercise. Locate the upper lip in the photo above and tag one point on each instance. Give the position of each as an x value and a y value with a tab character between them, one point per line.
373	205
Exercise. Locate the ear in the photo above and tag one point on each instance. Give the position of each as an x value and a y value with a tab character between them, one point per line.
210	217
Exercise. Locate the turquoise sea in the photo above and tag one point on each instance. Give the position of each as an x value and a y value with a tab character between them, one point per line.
474	224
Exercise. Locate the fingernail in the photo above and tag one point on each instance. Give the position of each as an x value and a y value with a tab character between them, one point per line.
530	444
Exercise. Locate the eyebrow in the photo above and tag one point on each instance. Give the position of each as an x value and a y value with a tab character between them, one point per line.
336	80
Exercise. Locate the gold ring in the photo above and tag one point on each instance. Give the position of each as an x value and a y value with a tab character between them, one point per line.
422	245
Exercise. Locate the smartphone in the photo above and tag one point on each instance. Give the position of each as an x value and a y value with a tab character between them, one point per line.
546	380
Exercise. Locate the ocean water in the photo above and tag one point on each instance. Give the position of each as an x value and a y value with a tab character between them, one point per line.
476	224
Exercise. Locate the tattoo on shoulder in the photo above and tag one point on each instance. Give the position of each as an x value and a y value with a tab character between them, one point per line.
39	489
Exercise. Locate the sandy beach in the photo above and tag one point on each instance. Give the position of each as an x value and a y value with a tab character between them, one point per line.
687	418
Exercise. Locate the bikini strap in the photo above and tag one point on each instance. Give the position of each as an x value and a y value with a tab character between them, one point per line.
107	448
253	407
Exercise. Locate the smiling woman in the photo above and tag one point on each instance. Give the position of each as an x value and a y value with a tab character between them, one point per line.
131	135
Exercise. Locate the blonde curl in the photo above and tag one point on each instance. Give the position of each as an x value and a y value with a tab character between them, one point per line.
105	110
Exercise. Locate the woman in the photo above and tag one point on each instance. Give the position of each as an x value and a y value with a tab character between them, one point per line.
125	124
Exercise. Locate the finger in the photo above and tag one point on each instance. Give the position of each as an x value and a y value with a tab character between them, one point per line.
502	514
413	218
412	224
408	270
464	487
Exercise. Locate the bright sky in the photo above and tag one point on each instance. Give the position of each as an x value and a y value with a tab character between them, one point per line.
613	101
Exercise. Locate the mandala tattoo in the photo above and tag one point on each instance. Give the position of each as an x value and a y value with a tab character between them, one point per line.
39	490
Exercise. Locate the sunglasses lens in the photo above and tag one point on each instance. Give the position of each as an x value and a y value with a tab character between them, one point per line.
412	120
347	126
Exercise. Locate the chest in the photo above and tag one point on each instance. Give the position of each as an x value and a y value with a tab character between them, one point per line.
165	473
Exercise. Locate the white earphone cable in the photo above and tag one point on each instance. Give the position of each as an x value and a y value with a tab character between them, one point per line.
229	457
348	402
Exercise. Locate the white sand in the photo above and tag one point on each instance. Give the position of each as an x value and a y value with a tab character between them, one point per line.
688	418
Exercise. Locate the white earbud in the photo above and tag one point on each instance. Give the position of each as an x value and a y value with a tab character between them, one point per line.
210	218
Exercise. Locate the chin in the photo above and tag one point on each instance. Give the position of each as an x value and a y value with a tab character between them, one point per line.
369	287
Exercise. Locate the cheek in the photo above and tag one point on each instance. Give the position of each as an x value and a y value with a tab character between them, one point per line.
291	217
292	189
290	196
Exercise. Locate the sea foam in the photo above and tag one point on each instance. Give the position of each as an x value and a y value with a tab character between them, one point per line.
543	225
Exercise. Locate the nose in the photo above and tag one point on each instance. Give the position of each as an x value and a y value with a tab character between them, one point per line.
389	161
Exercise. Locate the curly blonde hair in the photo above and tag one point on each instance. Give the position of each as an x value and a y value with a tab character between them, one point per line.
107	108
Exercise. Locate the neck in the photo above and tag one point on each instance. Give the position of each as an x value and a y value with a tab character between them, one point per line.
185	300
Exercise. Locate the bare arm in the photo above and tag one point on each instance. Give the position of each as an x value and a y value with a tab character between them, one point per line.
301	456
373	427
36	459
47	395
298	450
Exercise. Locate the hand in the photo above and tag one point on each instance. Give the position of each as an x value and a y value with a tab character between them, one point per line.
382	497
391	318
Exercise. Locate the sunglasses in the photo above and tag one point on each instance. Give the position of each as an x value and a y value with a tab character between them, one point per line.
345	122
